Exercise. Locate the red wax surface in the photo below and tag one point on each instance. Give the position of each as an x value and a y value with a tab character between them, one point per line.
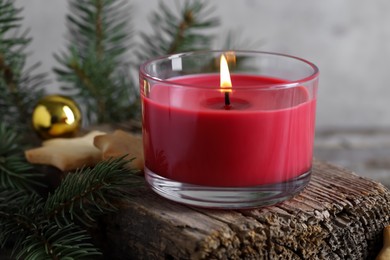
265	138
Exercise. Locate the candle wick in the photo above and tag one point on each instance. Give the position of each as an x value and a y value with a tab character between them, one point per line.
227	101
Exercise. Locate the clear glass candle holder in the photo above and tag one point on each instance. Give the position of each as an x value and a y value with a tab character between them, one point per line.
246	145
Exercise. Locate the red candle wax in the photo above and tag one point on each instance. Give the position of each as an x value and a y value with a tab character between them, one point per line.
266	137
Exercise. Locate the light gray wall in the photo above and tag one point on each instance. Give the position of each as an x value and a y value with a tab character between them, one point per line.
349	40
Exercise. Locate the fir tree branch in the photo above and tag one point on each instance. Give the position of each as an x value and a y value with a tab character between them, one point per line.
8	78
22	219
16	219
18	211
7	75
53	242
188	21
174	33
47	229
92	67
15	171
99	29
19	90
92	88
89	192
17	96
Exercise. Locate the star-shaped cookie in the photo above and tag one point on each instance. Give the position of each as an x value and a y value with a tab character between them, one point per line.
67	153
122	143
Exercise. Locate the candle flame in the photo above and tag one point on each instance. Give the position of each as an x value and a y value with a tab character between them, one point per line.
226	83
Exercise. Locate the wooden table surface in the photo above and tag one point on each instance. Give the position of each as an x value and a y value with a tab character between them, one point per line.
338	216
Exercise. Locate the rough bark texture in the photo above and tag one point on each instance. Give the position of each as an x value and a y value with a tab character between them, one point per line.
338	216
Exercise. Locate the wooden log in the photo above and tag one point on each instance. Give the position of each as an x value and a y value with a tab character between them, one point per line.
338	216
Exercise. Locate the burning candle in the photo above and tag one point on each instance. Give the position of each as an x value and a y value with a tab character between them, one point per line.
223	139
226	82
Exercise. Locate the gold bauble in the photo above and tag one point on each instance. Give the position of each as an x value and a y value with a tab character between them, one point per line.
56	116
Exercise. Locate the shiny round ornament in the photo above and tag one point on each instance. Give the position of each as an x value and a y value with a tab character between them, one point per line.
56	116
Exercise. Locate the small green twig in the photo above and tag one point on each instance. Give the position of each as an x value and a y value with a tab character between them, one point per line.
19	220
186	23
8	77
62	206
99	29
87	82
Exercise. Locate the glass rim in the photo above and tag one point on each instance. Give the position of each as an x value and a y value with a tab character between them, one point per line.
283	85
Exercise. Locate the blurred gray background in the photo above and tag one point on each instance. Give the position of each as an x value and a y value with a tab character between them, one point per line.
348	40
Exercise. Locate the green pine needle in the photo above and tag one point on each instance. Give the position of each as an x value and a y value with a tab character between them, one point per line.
90	192
180	32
